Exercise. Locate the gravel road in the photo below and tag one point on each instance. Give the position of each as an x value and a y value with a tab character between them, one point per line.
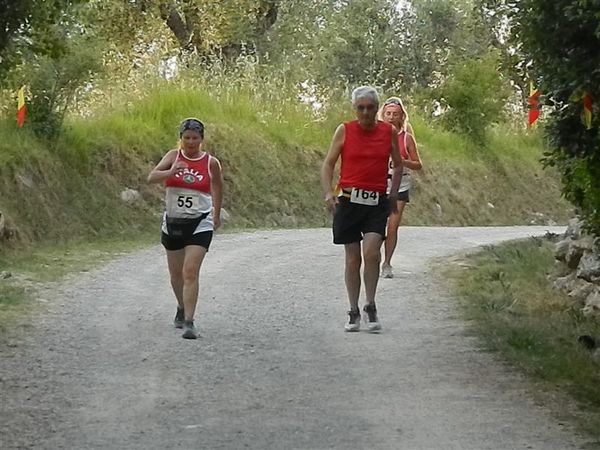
103	368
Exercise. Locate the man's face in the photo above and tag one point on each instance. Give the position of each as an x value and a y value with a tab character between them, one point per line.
366	111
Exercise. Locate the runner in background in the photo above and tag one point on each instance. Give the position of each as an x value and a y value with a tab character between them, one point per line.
194	193
360	204
393	112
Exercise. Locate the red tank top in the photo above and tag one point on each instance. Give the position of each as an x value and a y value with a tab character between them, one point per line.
195	176
403	152
365	156
402	145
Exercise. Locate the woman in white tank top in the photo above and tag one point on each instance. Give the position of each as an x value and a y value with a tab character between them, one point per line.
194	194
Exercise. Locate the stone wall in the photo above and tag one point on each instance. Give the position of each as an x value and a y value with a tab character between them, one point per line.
579	254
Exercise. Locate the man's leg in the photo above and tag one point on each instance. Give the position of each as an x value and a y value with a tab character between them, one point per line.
352	273
372	256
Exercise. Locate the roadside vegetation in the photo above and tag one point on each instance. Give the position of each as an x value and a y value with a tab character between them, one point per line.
507	297
71	189
24	274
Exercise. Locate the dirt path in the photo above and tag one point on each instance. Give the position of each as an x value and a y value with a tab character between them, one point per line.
103	368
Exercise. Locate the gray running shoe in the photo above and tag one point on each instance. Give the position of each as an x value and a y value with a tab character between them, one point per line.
189	330
178	320
372	319
353	321
386	271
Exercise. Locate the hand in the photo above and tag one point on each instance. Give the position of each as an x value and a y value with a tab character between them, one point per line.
216	222
178	167
330	202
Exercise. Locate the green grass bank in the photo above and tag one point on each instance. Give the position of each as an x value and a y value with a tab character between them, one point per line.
509	302
271	160
271	149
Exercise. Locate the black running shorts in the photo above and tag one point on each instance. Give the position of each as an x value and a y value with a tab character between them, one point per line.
351	220
404	196
203	239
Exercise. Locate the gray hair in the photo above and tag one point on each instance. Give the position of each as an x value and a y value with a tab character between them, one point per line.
367	92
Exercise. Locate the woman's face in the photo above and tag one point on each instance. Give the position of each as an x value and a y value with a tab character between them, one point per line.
394	116
191	140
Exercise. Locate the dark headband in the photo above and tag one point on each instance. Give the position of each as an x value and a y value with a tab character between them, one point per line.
191	124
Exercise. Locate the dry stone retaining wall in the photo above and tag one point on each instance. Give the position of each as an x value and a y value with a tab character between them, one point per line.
580	253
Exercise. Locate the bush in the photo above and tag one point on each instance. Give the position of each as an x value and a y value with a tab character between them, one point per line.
475	94
54	81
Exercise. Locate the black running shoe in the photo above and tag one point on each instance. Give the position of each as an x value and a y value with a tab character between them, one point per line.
372	320
178	320
189	330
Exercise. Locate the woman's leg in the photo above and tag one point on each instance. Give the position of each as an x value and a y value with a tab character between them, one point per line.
391	237
194	255
175	260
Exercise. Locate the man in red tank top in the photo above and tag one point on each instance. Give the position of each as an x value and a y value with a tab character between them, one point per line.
359	203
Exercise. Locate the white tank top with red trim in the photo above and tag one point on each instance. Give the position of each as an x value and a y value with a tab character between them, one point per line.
188	193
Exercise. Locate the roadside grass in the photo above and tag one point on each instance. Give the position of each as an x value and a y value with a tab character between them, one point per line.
503	183
32	267
13	304
271	146
505	293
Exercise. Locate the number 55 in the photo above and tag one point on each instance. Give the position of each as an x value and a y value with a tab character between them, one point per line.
184	201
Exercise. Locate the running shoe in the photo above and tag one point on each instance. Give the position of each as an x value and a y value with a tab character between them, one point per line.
354	321
178	320
386	271
189	330
372	320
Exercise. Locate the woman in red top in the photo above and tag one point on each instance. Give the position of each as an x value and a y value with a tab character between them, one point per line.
393	112
360	205
194	193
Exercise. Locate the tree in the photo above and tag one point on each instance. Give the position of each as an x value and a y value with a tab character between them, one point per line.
201	27
434	35
25	27
53	53
498	17
476	94
359	42
562	39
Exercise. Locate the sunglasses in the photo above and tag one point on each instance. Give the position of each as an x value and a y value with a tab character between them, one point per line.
363	108
393	101
193	123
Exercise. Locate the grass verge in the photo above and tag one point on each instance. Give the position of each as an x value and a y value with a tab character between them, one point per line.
271	147
505	293
34	266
